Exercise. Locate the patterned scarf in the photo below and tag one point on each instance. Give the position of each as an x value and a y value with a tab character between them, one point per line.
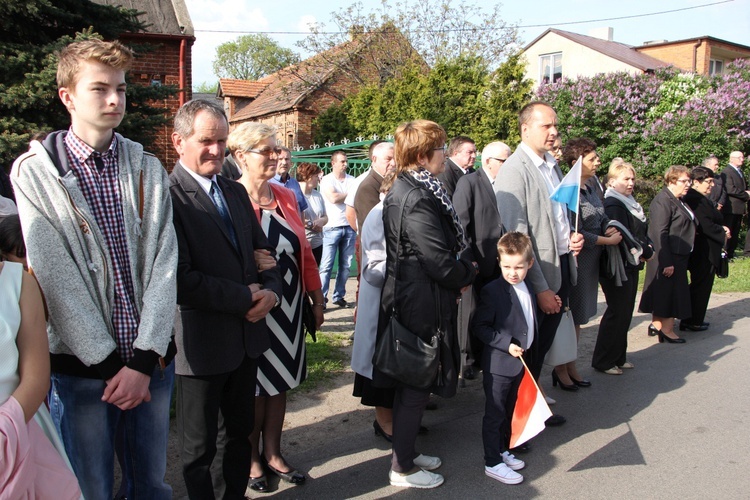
432	183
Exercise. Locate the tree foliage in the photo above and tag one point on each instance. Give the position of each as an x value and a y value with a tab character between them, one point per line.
206	88
439	30
462	95
30	34
656	120
251	57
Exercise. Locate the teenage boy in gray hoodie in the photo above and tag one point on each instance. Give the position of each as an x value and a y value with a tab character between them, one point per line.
97	219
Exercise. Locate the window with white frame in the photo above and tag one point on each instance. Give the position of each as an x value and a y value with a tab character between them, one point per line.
550	68
715	67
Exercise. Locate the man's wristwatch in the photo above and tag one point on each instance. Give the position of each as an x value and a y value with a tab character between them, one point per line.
278	300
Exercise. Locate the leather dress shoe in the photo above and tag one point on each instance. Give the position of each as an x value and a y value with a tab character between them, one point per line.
258	484
581	383
380	432
693	328
291	476
522	448
555	420
388	437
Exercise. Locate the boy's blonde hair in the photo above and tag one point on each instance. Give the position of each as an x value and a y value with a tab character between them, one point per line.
515	243
112	54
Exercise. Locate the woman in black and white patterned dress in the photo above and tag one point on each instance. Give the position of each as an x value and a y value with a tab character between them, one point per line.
283	366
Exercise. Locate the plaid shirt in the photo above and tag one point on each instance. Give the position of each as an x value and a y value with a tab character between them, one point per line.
101	188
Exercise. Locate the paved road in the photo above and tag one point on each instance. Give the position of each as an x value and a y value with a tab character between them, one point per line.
675	427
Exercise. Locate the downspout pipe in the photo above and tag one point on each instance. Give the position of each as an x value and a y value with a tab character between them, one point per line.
695	55
183	72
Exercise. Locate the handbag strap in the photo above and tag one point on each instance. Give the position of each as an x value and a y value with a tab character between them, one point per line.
398	245
398	248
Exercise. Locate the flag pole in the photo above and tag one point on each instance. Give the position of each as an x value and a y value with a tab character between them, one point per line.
532	377
580	173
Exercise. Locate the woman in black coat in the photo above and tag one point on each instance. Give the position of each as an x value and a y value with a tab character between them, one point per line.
426	289
672	229
612	340
710	238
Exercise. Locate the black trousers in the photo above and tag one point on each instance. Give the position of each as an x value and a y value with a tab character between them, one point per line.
702	273
199	401
612	339
408	408
500	400
548	323
734	223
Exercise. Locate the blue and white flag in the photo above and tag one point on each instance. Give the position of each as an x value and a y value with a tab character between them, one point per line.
568	191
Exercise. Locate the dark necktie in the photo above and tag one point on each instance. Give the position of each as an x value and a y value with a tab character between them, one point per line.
223	212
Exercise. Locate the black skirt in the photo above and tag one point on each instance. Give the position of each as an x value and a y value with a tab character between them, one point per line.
371	395
667	297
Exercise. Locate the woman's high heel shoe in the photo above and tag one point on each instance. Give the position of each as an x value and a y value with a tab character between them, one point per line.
663	338
380	432
565	387
652	331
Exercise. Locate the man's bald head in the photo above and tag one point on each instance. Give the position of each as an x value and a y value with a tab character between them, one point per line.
494	155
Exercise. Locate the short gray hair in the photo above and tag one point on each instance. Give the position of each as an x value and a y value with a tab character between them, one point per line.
185	117
248	135
709	159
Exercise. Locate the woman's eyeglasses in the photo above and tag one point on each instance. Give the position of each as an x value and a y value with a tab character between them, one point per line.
265	151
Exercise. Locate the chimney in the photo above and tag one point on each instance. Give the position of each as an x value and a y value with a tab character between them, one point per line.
604	33
355	31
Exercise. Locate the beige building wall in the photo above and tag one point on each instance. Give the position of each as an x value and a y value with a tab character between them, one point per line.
577	60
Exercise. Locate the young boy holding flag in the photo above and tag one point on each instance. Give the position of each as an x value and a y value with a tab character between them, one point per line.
505	321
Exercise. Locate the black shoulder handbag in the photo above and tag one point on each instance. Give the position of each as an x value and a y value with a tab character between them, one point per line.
308	316
401	354
723	270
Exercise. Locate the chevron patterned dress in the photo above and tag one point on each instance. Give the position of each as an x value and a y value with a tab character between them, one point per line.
283	366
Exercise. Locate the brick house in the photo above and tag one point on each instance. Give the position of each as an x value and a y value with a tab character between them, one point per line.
293	97
705	55
169	34
556	54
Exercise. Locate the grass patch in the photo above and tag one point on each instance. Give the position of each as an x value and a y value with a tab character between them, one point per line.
325	359
737	282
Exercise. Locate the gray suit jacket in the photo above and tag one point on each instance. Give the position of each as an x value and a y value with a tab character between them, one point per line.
524	205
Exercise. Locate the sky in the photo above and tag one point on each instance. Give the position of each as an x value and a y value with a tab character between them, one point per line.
725	19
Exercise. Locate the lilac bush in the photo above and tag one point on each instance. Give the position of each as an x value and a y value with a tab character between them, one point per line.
656	120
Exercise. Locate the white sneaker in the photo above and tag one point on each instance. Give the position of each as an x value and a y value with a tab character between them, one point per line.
549	400
422	479
512	462
427	463
502	473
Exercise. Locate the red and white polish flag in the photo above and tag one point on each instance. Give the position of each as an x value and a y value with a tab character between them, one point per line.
530	413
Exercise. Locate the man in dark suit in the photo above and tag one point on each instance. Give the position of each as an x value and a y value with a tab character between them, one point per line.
461	155
476	207
223	299
718	193
229	169
737	197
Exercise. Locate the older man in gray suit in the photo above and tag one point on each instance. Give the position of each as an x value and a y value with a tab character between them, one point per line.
522	188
